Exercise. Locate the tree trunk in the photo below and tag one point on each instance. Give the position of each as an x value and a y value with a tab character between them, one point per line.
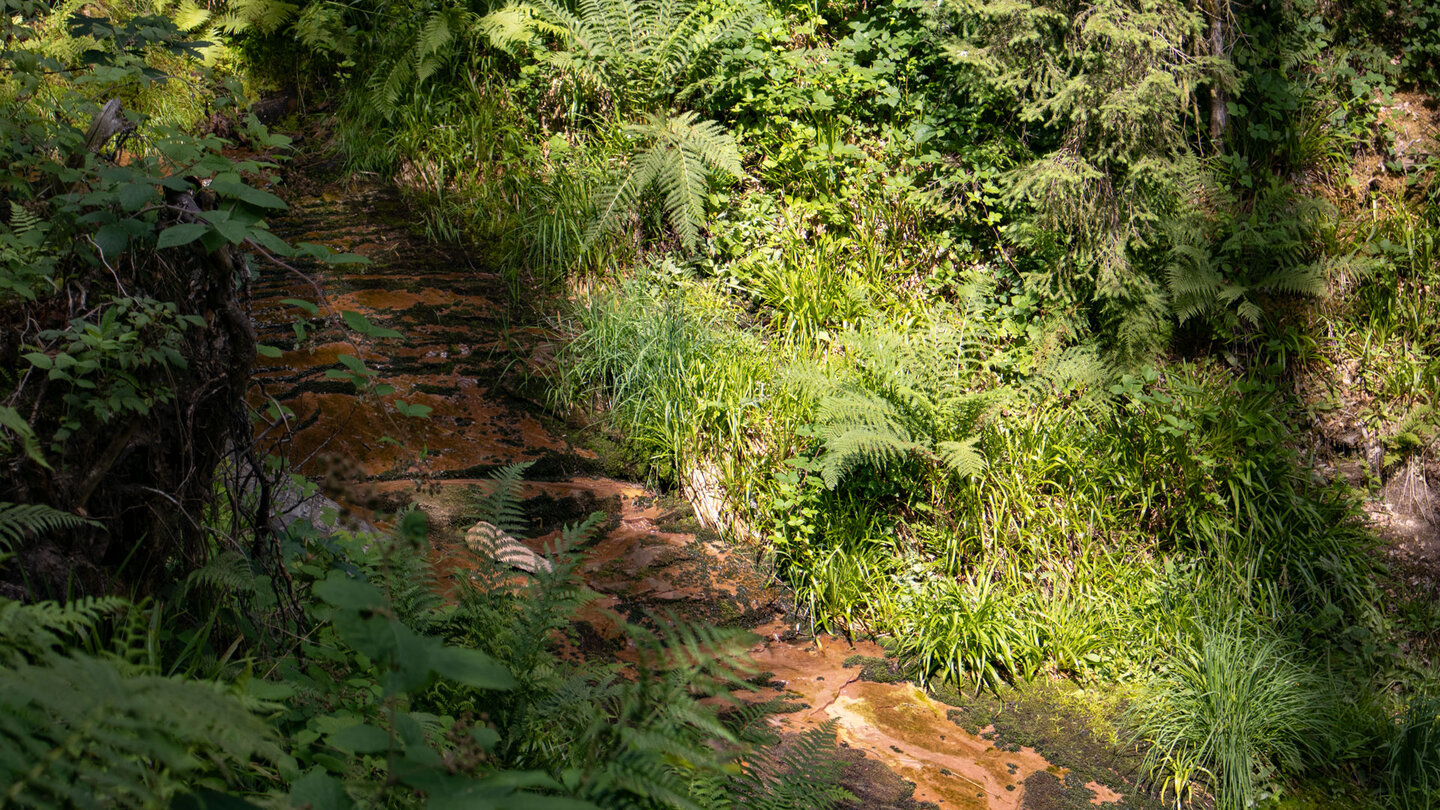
1219	111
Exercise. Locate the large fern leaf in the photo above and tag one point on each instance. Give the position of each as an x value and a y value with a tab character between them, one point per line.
677	155
19	520
906	398
635	51
499	505
31	631
77	731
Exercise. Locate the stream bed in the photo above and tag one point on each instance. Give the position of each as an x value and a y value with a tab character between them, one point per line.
474	361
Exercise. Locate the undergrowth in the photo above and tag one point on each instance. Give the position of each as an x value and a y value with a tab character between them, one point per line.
1034	338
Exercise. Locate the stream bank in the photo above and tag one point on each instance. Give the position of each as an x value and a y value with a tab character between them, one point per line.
477	363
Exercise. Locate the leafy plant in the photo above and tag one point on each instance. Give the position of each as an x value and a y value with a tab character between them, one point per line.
76	729
907	398
636	53
19	520
678	162
1232	711
1413	753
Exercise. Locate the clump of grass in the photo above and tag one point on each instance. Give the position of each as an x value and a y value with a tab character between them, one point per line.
1231	712
1413	756
667	376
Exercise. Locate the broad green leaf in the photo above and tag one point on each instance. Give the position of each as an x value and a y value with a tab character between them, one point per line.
234	231
232	186
360	739
472	668
318	790
416	411
112	240
134	196
351	594
362	324
182	234
302	304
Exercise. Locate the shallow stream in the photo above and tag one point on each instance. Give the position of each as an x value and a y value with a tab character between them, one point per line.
468	357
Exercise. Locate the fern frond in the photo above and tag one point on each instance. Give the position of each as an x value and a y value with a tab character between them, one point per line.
38	629
438	32
19	520
802	773
24	221
858	445
961	457
683	188
906	399
1305	279
263	16
682	155
229	572
78	732
500	506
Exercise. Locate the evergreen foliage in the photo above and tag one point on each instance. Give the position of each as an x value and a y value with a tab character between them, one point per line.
1111	85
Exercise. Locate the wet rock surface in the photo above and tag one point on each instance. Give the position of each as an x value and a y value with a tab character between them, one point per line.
476	363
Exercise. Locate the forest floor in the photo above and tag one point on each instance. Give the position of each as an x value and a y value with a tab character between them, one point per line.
478	361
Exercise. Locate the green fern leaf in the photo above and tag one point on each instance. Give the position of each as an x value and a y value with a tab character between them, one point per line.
80	732
961	457
19	520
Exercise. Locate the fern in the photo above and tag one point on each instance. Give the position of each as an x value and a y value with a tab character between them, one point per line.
19	520
77	731
229	571
259	16
635	52
909	399
676	156
500	505
321	28
1225	267
801	773
678	162
29	632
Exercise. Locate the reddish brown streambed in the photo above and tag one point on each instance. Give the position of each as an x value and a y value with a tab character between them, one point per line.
467	356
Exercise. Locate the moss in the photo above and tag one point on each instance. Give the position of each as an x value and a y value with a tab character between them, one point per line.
1073	728
423	313
1046	791
879	670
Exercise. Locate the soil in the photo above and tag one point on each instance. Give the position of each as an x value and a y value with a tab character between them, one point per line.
478	363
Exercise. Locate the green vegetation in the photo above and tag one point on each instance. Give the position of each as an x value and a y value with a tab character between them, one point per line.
1036	339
